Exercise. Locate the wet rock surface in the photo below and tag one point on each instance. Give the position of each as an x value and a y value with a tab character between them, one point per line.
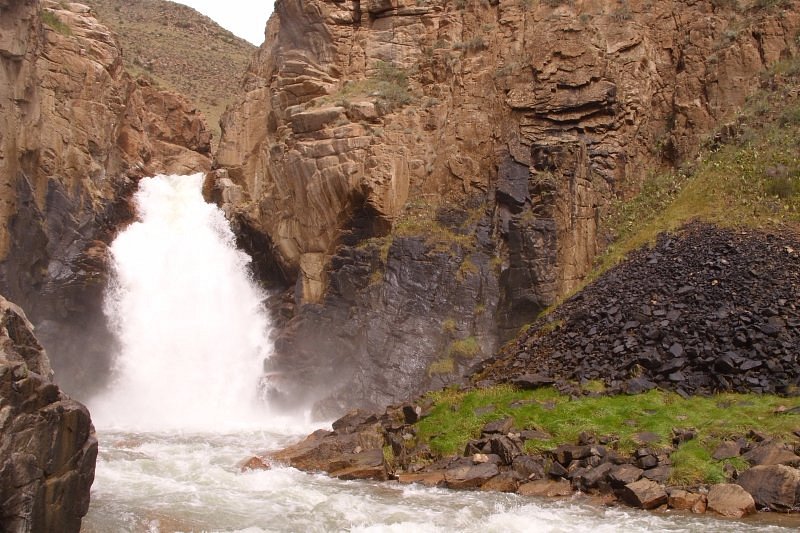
718	265
77	133
363	445
704	310
48	446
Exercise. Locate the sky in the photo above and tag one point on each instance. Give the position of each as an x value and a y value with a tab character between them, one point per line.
245	18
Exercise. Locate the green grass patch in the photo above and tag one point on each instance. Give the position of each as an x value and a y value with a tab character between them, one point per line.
52	20
442	366
464	348
750	179
388	84
453	421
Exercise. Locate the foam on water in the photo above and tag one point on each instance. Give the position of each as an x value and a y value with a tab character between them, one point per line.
190	322
165	482
183	412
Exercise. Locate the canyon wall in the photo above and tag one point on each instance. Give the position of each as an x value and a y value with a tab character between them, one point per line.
76	133
49	448
427	176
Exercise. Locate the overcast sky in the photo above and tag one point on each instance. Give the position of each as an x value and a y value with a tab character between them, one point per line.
245	18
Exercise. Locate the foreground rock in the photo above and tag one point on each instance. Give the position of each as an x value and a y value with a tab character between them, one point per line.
367	446
776	488
48	447
730	500
354	450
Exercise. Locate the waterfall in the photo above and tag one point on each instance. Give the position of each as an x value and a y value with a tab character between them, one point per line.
190	322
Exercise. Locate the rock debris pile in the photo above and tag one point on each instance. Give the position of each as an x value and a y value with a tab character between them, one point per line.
497	461
703	311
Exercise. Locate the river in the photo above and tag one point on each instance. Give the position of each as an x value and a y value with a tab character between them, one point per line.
183	411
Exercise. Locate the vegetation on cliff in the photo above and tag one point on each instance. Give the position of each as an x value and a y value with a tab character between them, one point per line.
746	175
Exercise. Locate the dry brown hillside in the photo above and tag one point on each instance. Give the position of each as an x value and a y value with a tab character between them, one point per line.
179	48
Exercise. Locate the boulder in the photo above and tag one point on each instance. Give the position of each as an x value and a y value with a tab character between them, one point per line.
528	467
532	381
428	479
470	477
254	463
730	500
501	427
658	474
644	494
727	450
772	454
587	479
773	487
546	488
353	451
48	447
682	500
505	448
504	482
369	464
624	474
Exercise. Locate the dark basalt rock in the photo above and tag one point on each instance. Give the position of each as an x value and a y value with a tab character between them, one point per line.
696	320
621	475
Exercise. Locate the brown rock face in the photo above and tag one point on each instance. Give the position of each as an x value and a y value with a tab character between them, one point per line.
352	451
515	122
76	131
48	447
730	500
645	494
774	487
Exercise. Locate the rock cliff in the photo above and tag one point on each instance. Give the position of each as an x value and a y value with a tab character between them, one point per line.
76	132
430	175
48	449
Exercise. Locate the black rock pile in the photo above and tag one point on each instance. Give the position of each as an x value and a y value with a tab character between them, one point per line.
703	311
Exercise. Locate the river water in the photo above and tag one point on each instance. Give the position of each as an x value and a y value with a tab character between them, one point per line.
183	410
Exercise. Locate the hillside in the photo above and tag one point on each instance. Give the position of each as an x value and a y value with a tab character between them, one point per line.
178	48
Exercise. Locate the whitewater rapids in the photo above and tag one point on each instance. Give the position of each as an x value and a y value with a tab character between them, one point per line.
183	409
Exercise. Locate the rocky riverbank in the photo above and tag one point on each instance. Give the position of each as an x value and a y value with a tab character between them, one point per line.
48	447
702	312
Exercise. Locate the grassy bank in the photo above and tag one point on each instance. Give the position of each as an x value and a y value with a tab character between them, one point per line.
457	417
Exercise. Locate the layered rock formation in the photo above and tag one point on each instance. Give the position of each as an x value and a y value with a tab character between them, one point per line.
76	132
389	154
48	447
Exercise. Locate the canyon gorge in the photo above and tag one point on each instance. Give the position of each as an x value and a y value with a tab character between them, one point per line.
415	181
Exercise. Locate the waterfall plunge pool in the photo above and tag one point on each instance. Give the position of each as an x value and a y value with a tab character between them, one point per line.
182	411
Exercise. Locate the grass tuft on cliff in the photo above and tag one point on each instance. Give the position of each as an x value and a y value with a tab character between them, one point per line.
52	20
747	176
459	416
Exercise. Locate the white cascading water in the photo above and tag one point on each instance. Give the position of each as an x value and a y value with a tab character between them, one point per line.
190	322
192	335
